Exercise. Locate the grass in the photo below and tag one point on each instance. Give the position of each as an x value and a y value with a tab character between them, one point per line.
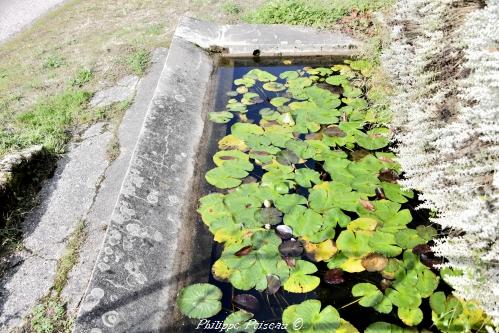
315	13
83	76
138	61
47	122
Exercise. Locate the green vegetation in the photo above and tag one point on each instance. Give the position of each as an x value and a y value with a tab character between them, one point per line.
84	75
54	61
48	123
50	317
231	8
314	13
328	181
138	61
70	257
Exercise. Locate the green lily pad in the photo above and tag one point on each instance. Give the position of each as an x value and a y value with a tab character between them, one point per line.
354	245
364	66
274	86
410	317
310	224
251	98
337	80
237	107
279	101
289	75
246	81
260	75
374	139
308	318
382	327
201	300
287	202
220	117
369	293
300	280
305	177
408	238
240	322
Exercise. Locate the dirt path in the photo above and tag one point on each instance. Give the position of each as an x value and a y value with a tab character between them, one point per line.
15	15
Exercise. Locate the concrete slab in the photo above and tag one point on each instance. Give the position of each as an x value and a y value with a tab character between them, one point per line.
99	215
66	199
139	268
122	91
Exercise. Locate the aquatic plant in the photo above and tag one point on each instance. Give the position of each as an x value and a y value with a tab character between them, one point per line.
328	192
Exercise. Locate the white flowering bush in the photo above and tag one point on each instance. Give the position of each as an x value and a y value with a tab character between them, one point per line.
444	59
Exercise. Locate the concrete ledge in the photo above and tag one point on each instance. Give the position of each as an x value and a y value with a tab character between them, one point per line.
154	244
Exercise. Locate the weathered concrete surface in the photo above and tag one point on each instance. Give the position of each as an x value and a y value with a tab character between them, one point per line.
99	215
136	276
15	15
130	283
66	199
122	91
85	187
268	39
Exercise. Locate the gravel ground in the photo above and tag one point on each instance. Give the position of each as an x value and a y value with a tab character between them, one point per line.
15	15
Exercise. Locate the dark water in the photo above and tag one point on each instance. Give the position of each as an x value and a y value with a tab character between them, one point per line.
338	296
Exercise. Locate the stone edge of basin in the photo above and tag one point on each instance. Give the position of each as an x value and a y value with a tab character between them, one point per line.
134	280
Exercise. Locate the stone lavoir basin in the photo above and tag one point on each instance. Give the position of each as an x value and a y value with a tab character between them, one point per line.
262	193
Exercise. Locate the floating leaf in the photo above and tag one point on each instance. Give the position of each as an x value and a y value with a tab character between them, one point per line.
220	117
251	98
246	81
201	300
334	276
246	302
382	327
289	75
346	327
410	317
369	293
273	284
242	90
274	86
300	280
291	248
374	262
374	139
230	142
305	177
337	80
239	322
287	157
408	238
310	224
260	75
322	251
313	320
354	244
279	101
287	202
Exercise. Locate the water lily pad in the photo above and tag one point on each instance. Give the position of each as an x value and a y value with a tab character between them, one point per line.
289	75
322	251
374	139
246	302
322	71
369	293
269	215
274	86
201	300
374	262
337	80
300	280
287	202
310	224
410	316
364	66
240	322
354	245
408	238
242	90
273	284
291	248
237	107
287	157
279	101
230	142
246	81
382	327
220	117
251	98
311	318
306	177
334	276
260	75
